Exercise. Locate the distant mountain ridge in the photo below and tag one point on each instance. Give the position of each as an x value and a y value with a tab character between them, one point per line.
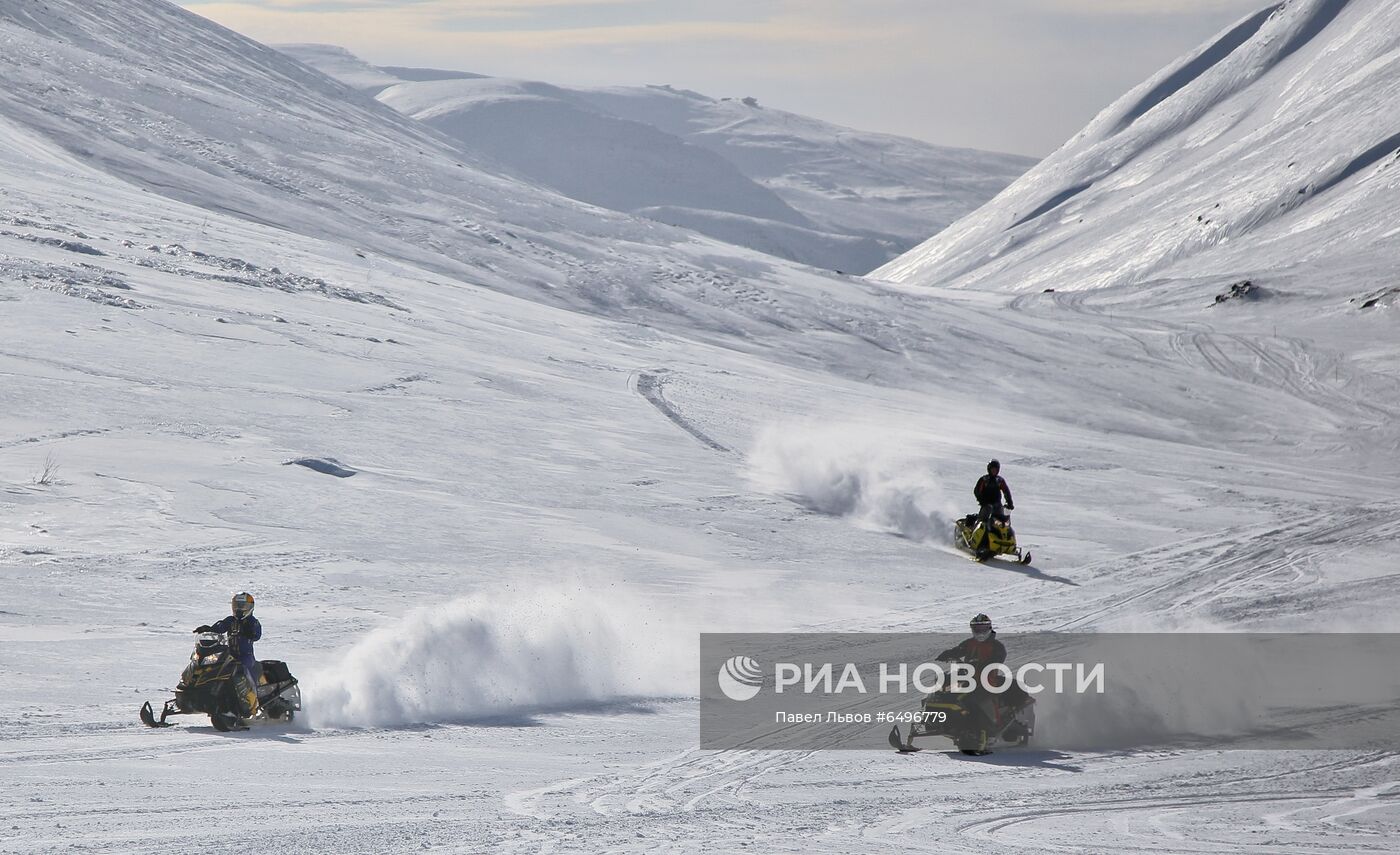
784	184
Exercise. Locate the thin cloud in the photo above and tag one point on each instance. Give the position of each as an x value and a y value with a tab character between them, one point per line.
441	7
440	23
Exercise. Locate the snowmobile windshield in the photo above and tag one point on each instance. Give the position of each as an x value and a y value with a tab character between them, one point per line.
208	642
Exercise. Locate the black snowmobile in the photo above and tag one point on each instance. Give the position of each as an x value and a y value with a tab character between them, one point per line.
975	722
966	534
215	684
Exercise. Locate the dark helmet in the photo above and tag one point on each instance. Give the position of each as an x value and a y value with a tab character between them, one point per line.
993	466
981	626
242	605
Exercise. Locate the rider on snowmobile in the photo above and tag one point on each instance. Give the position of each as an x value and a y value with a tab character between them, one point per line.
243	629
989	490
981	650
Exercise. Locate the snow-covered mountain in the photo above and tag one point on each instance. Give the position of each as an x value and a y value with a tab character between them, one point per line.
1272	153
745	173
233	127
491	458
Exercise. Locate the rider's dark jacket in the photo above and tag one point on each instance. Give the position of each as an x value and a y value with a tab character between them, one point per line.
977	653
245	631
989	490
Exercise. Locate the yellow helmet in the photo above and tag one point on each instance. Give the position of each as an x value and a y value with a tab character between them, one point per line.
242	605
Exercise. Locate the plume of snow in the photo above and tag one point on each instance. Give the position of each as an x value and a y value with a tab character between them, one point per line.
502	654
854	472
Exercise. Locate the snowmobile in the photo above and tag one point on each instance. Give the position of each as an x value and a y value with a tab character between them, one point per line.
966	534
975	722
215	683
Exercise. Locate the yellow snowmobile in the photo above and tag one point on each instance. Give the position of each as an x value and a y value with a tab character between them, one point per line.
967	535
975	726
214	683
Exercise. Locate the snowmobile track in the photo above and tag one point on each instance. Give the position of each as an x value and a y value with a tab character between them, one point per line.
650	384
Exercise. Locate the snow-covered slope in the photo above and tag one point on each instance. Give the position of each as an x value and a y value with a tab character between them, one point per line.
341	64
549	135
612	162
574	440
208	117
1272	150
855	182
832	197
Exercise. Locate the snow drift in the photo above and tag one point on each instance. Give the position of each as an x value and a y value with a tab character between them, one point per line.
854	473
501	654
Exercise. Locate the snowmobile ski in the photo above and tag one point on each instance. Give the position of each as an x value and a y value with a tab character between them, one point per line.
898	744
148	716
1023	559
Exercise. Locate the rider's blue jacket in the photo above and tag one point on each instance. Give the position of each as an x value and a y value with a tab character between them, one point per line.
246	632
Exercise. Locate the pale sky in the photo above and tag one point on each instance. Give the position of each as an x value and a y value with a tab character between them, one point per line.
1007	75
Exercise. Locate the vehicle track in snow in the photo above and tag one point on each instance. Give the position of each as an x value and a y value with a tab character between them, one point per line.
651	386
1201	814
1237	573
1142	824
720	797
1012	802
1288	364
1132	801
1225	574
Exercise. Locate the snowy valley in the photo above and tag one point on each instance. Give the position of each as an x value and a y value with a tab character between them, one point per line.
572	439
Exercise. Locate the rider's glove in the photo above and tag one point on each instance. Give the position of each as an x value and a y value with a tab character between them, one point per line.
205	628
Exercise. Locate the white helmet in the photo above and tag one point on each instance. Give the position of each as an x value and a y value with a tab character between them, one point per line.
981	627
242	605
